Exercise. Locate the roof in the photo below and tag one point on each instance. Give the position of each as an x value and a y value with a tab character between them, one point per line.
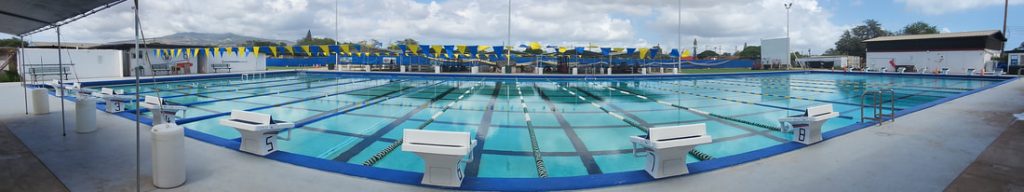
38	44
20	17
1015	51
998	35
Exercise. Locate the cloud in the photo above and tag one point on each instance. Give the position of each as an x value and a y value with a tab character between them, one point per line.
938	7
725	24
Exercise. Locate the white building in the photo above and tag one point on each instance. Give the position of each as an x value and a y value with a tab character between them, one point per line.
1015	57
956	51
830	62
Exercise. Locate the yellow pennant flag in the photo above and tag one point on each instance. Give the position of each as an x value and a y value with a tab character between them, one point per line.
482	48
241	51
643	52
195	52
326	49
535	45
686	53
290	49
306	49
562	49
461	49
415	49
345	49
256	51
618	50
207	50
273	51
228	51
437	50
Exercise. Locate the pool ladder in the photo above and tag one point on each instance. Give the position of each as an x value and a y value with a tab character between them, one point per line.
877	103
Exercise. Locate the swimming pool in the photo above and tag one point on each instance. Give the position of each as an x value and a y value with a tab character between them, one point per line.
348	122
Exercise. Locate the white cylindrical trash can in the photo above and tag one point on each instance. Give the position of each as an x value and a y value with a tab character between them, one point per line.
40	102
85	115
168	155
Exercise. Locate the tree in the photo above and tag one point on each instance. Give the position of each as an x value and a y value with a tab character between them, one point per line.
707	54
316	41
12	42
310	40
406	41
750	52
918	28
851	42
1021	46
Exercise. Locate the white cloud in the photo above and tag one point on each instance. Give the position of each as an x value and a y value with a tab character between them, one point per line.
717	23
937	7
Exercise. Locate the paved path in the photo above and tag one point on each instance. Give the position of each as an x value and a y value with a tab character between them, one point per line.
999	168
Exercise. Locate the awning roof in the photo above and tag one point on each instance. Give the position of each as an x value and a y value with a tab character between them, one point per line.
21	17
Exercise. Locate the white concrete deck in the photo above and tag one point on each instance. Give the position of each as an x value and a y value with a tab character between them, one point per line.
923	151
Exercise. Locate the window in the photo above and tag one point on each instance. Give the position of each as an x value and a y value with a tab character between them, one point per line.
1014	59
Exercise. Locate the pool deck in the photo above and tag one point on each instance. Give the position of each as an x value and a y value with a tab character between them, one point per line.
922	151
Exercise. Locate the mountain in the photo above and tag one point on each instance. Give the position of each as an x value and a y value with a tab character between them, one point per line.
204	39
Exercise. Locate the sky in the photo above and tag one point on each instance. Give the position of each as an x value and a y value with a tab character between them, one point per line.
719	25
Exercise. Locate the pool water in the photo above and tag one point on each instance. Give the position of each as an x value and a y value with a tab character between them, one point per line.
573	128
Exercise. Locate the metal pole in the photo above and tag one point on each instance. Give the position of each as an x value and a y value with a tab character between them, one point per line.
679	36
788	40
60	84
337	34
21	64
508	41
138	141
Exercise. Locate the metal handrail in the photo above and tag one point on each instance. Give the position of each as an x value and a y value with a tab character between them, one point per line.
877	105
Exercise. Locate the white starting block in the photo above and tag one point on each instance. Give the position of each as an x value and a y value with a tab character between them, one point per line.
923	70
437	69
945	71
575	71
970	71
666	148
442	152
675	70
609	71
901	70
401	69
866	69
162	113
114	100
474	69
259	131
540	70
807	128
883	70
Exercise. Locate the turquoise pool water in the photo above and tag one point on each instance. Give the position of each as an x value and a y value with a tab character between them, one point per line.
349	118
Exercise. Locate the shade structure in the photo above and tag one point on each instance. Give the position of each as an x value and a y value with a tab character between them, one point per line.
22	17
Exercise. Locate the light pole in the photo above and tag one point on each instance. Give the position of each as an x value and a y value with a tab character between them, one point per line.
679	37
508	40
788	40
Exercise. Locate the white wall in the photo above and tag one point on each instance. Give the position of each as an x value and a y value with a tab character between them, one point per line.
775	51
249	62
957	61
245	63
88	63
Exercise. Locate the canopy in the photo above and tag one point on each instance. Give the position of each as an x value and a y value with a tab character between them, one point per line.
21	17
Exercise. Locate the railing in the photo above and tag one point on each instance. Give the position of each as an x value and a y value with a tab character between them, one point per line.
877	103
